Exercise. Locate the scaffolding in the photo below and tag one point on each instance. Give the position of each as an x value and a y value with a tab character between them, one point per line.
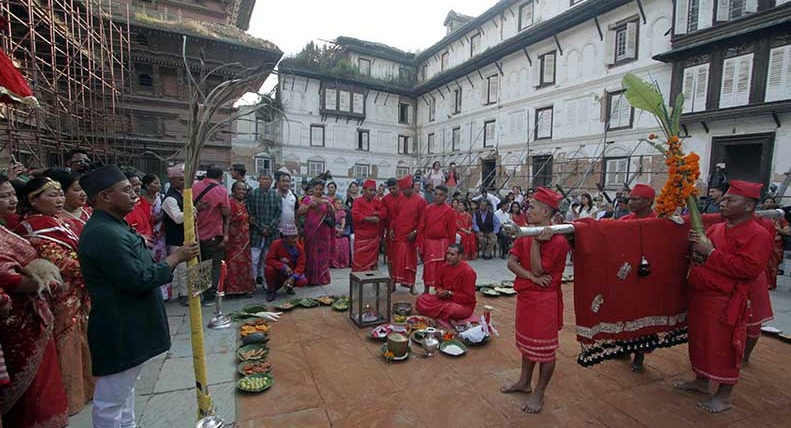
75	59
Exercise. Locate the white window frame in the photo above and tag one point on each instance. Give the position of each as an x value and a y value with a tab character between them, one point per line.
489	131
263	165
363	140
331	99
403	145
620	114
695	86
684	10
727	9
313	137
430	141
405	120
544	129
315	168
475	44
364	66
621	41
778	81
546	69
526	11
616	172
362	170
402	171
737	77
455	139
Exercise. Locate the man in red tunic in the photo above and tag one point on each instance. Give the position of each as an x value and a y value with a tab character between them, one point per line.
404	222
437	230
641	200
760	302
285	263
389	203
735	253
367	212
455	289
538	263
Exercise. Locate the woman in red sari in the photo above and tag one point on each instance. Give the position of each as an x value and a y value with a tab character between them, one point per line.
464	229
238	256
342	248
517	216
75	212
319	237
56	242
35	394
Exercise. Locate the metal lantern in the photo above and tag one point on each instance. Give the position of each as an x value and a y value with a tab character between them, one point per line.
369	298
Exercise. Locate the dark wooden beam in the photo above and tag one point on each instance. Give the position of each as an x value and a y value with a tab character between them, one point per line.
557	43
598	28
776	118
529	61
470	80
642	10
499	68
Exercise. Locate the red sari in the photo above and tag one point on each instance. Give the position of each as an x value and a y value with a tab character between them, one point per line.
437	230
468	240
539	310
35	397
366	235
56	242
319	242
238	256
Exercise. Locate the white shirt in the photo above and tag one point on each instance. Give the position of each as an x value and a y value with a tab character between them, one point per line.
493	200
287	211
503	216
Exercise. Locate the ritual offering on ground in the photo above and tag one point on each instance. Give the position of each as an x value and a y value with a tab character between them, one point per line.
507	284
253	367
257	326
306	302
342	304
257	337
397	345
489	292
402	308
255	383
325	300
286	306
252	352
399	319
453	348
505	291
417	336
419	322
379	333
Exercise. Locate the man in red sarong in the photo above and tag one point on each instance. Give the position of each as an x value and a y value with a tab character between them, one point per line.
538	263
437	230
367	212
641	200
285	263
455	288
734	253
760	302
404	223
389	203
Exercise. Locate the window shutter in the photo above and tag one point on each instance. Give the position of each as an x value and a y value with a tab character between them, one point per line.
705	11
549	68
688	89
484	91
631	40
625	114
682	15
536	77
728	82
609	47
741	95
778	83
723	10
495	88
701	87
751	6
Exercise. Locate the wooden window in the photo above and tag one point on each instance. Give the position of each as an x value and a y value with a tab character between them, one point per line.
733	9
457	101
330	99
344	101
402	171
403	145
432	109
430	143
545	73
362	170
543	124
315	168
620	113
403	113
778	81
616	172
444	61
358	103
263	165
489	130
525	15
693	15
491	88
363	140
695	87
542	170
620	43
317	135
737	76
475	44
364	66
456	139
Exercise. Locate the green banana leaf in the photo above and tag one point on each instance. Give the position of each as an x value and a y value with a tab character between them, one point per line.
644	96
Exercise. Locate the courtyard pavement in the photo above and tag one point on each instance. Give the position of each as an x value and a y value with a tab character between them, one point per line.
327	373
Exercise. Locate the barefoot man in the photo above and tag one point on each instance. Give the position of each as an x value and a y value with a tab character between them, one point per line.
455	289
410	208
437	230
735	254
538	263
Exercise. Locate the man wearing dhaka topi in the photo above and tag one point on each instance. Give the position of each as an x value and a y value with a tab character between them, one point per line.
538	263
437	230
455	289
367	212
404	223
734	255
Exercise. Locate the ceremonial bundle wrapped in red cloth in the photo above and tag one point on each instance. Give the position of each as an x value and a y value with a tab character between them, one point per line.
619	306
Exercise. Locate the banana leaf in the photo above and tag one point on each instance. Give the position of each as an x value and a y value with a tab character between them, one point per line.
644	96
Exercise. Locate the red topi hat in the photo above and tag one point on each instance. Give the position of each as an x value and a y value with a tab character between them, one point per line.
405	182
643	191
548	197
747	189
369	184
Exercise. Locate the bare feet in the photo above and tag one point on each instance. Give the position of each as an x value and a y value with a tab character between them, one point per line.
516	387
535	403
637	363
745	362
715	405
697	385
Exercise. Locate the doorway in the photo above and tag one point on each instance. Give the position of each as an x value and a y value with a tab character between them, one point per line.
744	157
488	172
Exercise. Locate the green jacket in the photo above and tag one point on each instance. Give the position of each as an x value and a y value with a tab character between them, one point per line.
128	324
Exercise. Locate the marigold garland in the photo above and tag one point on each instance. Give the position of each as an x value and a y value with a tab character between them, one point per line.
683	172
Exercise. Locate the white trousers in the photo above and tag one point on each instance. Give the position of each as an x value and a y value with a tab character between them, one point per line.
258	253
114	399
179	284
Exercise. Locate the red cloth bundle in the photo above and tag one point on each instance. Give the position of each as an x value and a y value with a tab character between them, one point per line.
618	307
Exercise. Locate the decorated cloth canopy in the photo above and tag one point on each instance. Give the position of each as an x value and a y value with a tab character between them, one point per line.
13	87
